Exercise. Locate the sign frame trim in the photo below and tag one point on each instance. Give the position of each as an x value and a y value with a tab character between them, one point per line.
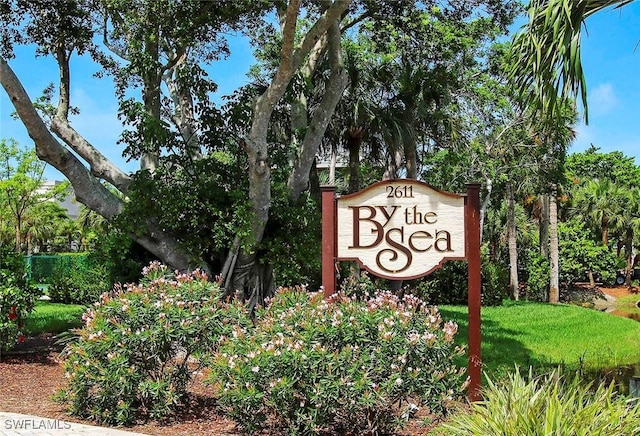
376	185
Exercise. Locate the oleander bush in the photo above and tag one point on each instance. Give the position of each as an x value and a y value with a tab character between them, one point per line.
550	404
141	343
341	366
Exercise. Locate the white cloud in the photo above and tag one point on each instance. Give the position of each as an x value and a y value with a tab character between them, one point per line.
602	99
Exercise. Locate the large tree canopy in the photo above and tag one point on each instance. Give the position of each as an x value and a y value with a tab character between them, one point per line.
252	160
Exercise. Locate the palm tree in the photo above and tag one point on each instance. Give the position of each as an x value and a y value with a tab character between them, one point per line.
629	226
547	66
600	203
554	252
89	224
43	222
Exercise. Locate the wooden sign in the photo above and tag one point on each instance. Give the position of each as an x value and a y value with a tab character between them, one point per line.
405	229
400	229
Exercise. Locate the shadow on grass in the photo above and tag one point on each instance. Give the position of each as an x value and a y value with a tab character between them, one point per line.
501	351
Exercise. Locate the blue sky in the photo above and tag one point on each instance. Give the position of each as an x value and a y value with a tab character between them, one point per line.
611	60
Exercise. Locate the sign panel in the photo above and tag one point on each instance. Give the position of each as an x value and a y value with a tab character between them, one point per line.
400	229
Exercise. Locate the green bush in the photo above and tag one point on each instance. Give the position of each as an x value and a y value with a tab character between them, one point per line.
17	298
578	255
581	254
449	284
140	344
78	282
341	366
547	405
120	255
42	267
360	285
537	288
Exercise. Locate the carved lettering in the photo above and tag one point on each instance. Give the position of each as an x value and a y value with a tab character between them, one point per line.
399	248
422	246
414	216
379	227
443	236
401	229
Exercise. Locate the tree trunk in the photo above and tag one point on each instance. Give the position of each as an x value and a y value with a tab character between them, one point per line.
544	226
354	138
151	78
554	256
18	235
628	251
513	245
332	167
88	189
250	279
409	146
336	84
605	230
485	204
411	157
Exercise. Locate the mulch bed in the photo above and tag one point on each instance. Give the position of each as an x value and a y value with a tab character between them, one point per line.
32	374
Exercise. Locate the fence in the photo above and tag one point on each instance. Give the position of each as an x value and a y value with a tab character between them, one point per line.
42	267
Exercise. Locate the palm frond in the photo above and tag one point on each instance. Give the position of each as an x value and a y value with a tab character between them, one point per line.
546	53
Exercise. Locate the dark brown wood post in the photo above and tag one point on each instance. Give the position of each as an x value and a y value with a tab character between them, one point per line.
328	239
472	237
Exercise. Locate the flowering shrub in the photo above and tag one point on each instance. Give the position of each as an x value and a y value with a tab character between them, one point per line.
17	298
344	366
141	343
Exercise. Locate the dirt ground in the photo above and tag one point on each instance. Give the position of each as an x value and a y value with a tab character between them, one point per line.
32	373
621	291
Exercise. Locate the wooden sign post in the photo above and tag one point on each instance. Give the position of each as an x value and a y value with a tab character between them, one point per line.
404	229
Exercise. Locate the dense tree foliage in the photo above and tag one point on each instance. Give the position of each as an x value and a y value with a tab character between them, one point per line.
343	91
25	206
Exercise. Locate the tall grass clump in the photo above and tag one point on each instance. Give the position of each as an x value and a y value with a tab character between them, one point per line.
337	366
545	405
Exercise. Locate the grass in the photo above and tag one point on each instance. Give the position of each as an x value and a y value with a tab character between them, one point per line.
628	303
53	318
544	335
555	404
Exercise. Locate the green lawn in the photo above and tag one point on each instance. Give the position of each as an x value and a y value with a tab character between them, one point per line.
544	335
629	303
53	318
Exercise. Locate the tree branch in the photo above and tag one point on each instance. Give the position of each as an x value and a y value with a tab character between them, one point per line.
337	82
88	189
99	165
63	66
326	20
